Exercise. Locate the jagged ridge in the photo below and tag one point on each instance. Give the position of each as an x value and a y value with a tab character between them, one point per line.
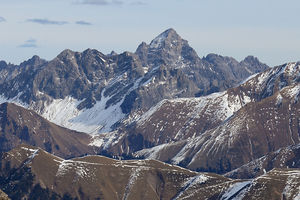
116	85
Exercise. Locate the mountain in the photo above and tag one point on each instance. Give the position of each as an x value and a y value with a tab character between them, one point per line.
222	131
22	126
29	172
163	102
96	93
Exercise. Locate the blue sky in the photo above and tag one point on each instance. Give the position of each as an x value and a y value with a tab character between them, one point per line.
267	29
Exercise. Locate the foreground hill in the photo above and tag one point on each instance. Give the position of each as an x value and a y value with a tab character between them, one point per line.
93	93
28	172
22	126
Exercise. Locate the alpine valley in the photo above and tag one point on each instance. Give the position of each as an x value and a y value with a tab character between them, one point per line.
160	123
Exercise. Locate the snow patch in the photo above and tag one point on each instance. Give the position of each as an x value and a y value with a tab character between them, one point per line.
152	153
97	119
158	41
132	180
292	188
293	92
234	190
33	152
27	149
291	68
16	100
80	168
279	99
105	140
192	182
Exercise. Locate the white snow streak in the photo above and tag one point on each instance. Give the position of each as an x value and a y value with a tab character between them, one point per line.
234	189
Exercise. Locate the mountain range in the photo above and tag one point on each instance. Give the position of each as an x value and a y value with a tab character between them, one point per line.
162	106
76	87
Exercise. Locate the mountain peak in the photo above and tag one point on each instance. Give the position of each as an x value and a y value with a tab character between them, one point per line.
251	59
34	61
254	65
3	64
170	31
169	35
91	51
113	53
67	53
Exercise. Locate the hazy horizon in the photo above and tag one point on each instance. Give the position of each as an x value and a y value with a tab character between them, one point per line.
232	28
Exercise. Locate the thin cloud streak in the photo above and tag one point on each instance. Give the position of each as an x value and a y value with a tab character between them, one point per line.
31	43
28	46
100	2
2	19
138	3
83	23
47	21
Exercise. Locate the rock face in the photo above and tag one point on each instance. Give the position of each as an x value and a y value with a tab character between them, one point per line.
222	131
34	174
21	126
287	157
86	85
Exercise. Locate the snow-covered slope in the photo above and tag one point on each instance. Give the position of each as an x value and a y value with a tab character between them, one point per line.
97	119
65	112
265	119
243	137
